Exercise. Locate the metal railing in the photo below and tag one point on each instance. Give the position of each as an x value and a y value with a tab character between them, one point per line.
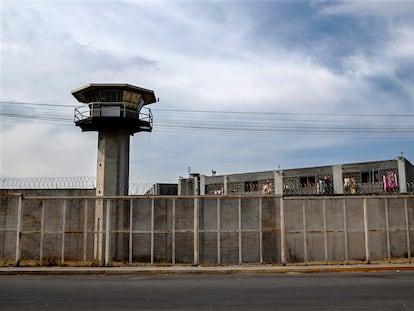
112	109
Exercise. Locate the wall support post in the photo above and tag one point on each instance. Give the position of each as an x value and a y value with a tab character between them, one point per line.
19	231
108	233
366	231
196	229
282	233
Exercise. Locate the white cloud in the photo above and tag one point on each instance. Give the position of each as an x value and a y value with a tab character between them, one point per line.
43	151
195	56
384	8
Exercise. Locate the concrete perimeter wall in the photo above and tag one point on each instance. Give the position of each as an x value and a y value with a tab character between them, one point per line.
209	229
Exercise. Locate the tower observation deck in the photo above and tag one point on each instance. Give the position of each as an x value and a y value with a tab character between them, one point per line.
111	106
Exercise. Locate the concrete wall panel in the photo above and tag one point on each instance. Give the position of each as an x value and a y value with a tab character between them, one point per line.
250	247
229	248
396	214
355	214
229	219
141	247
356	245
208	214
250	214
184	247
315	246
31	220
74	247
184	214
162	215
208	248
30	246
8	212
336	246
334	215
52	250
398	241
314	216
7	245
270	214
294	247
141	215
162	247
376	214
8	221
378	241
271	247
293	215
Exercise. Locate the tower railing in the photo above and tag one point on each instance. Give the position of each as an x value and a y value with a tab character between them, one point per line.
112	109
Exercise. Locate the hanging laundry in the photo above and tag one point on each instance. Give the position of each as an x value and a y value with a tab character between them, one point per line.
390	181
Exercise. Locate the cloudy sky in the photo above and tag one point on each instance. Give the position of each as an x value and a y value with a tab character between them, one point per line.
243	85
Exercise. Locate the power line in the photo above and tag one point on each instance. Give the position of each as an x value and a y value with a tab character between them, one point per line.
35	104
284	113
256	122
234	112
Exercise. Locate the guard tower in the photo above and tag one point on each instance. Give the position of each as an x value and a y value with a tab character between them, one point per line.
115	111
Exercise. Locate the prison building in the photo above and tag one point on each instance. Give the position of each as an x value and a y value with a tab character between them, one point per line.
378	177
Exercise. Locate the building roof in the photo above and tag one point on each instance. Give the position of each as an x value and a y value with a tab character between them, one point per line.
147	95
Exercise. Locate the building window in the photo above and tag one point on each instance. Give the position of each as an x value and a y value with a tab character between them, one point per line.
307	181
369	177
366	177
251	186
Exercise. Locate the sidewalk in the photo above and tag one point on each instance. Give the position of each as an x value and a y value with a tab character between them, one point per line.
236	269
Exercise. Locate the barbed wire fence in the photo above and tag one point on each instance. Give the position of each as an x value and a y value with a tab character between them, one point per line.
77	182
139	188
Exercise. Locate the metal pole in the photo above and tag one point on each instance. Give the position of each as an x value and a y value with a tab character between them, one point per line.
366	230
282	233
19	230
108	233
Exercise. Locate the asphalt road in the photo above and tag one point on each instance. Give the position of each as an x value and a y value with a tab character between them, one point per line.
323	291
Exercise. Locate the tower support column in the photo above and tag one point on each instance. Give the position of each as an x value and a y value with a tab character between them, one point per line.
116	111
112	179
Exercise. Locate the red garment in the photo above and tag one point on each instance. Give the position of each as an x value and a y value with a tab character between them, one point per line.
390	182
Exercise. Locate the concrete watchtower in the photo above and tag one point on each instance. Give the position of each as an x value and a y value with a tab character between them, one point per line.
116	111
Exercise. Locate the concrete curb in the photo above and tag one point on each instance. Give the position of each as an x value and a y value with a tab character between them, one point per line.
174	270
